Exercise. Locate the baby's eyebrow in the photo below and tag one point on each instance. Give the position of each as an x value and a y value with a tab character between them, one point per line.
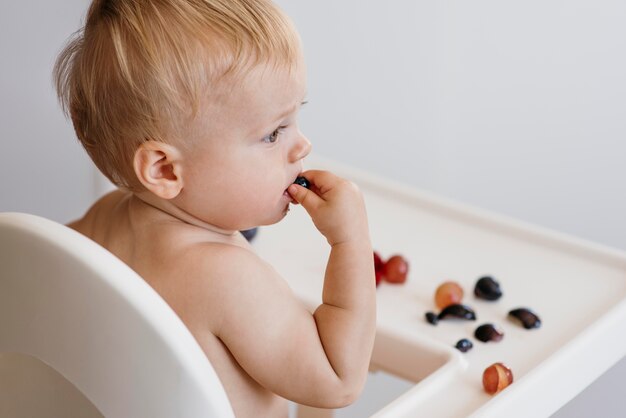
256	132
291	110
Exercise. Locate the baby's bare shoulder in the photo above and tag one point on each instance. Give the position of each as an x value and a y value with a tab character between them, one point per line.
214	253
216	263
221	278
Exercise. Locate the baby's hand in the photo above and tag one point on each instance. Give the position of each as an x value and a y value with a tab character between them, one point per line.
335	205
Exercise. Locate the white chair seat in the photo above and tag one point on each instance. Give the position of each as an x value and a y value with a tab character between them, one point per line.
70	303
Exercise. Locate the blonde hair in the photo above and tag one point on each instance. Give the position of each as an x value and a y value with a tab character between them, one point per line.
138	69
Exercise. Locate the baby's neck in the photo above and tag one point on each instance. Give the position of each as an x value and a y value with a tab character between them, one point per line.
169	208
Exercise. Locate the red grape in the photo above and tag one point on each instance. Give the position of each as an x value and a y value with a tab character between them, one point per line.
496	377
396	269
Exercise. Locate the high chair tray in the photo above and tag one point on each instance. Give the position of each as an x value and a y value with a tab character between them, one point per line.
576	287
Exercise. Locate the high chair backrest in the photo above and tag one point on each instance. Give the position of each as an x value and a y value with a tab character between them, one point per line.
70	303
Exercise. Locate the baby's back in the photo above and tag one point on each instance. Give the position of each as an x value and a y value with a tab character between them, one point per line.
172	257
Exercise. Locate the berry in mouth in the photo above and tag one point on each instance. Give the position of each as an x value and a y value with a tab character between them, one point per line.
302	182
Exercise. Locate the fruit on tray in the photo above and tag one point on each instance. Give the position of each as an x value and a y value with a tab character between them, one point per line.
396	269
526	317
432	318
497	377
448	293
487	288
488	332
464	345
457	311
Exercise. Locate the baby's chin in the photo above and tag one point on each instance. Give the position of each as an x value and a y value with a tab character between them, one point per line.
277	216
281	214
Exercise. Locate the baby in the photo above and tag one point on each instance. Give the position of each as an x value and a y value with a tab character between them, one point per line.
190	107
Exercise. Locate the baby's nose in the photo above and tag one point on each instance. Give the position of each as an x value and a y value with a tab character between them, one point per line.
301	149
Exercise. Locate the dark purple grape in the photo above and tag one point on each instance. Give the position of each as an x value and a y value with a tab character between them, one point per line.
488	332
431	317
464	345
526	317
302	182
487	288
457	311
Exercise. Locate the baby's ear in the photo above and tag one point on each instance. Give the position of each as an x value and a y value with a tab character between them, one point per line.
158	167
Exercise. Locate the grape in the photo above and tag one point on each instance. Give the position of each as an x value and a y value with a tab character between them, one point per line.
448	293
496	377
396	269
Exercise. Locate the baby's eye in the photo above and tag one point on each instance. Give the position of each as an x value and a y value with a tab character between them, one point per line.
271	138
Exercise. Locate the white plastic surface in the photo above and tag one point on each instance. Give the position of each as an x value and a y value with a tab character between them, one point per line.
577	288
71	304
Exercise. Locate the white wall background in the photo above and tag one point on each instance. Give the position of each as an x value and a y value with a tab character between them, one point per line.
517	107
43	170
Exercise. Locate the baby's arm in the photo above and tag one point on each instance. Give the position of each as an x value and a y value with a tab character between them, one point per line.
321	359
346	320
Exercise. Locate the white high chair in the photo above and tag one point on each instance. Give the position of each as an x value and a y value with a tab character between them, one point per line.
70	304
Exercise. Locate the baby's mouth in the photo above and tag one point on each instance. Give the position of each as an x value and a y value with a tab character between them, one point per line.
286	193
297	180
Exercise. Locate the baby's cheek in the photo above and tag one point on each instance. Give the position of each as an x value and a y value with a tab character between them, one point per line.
252	197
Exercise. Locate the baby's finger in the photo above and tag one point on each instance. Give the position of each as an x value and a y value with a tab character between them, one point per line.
307	198
322	181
